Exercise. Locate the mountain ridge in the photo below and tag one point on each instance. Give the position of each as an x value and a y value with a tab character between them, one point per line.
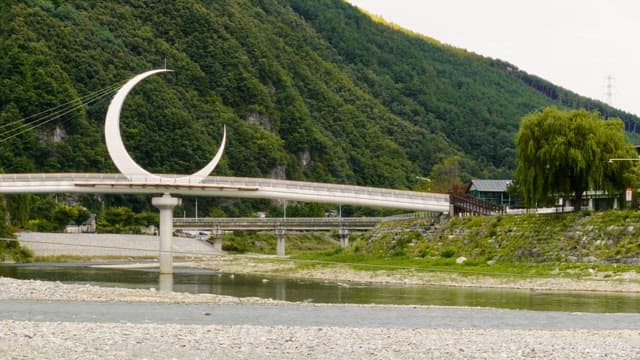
309	91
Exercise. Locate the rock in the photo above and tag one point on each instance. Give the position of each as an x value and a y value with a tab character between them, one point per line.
491	262
590	259
572	258
461	260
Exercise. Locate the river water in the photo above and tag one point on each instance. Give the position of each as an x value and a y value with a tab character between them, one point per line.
207	281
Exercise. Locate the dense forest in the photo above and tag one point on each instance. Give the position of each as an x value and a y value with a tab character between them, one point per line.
308	90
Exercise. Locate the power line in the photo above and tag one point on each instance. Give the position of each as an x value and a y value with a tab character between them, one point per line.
81	99
52	114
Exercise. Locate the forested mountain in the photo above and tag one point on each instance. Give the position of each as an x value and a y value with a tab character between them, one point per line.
312	90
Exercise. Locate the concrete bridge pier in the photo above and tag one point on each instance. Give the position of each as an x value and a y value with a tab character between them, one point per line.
165	283
216	234
280	235
166	203
344	237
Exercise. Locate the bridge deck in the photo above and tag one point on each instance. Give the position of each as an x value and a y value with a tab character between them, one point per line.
226	187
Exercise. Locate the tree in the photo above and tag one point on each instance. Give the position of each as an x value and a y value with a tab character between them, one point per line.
445	176
567	153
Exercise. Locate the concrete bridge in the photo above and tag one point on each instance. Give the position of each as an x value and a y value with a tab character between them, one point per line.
230	187
235	187
216	227
133	179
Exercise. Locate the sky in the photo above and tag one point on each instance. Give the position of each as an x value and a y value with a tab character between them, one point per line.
576	44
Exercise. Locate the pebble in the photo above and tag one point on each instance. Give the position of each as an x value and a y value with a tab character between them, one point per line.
70	340
86	340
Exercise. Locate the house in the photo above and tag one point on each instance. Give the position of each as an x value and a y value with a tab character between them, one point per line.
495	191
87	226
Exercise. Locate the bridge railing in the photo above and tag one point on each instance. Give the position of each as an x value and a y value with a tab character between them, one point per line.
225	186
231	181
221	180
333	188
273	223
283	221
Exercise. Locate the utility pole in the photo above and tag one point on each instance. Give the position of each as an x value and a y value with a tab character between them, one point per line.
610	80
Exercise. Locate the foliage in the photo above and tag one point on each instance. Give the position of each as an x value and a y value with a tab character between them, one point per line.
64	215
513	245
123	220
312	90
567	153
265	242
10	249
48	215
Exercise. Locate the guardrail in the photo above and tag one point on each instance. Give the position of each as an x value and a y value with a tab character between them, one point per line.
328	223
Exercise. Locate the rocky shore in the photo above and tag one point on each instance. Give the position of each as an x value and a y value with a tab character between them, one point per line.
88	340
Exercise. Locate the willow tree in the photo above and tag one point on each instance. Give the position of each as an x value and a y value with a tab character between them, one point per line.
568	152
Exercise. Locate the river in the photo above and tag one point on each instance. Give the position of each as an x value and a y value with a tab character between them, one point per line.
193	280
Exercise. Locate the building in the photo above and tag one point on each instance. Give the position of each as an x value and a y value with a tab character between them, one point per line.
494	191
88	226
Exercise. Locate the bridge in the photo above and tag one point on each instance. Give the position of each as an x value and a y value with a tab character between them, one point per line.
133	179
232	187
216	227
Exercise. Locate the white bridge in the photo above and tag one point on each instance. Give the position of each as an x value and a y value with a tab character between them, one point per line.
133	179
232	187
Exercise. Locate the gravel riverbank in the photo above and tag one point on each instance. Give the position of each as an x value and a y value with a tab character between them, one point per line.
92	340
98	340
28	340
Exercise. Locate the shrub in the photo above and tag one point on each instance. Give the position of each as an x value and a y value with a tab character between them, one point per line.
447	253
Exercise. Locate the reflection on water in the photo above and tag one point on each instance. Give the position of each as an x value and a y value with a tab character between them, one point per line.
208	281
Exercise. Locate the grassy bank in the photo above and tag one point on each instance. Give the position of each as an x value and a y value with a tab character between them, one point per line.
583	245
12	251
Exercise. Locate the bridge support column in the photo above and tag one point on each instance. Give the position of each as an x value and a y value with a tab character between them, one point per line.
280	235
216	234
165	283
344	237
166	203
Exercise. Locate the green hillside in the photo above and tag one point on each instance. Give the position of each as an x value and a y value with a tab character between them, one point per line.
312	90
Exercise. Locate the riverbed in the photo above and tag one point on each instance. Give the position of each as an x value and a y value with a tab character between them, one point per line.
92	322
193	280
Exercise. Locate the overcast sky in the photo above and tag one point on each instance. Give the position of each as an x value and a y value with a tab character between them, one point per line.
576	44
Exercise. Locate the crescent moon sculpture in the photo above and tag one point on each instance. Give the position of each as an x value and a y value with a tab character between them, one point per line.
121	158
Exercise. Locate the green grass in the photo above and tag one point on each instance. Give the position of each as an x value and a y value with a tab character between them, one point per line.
525	246
265	242
502	269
